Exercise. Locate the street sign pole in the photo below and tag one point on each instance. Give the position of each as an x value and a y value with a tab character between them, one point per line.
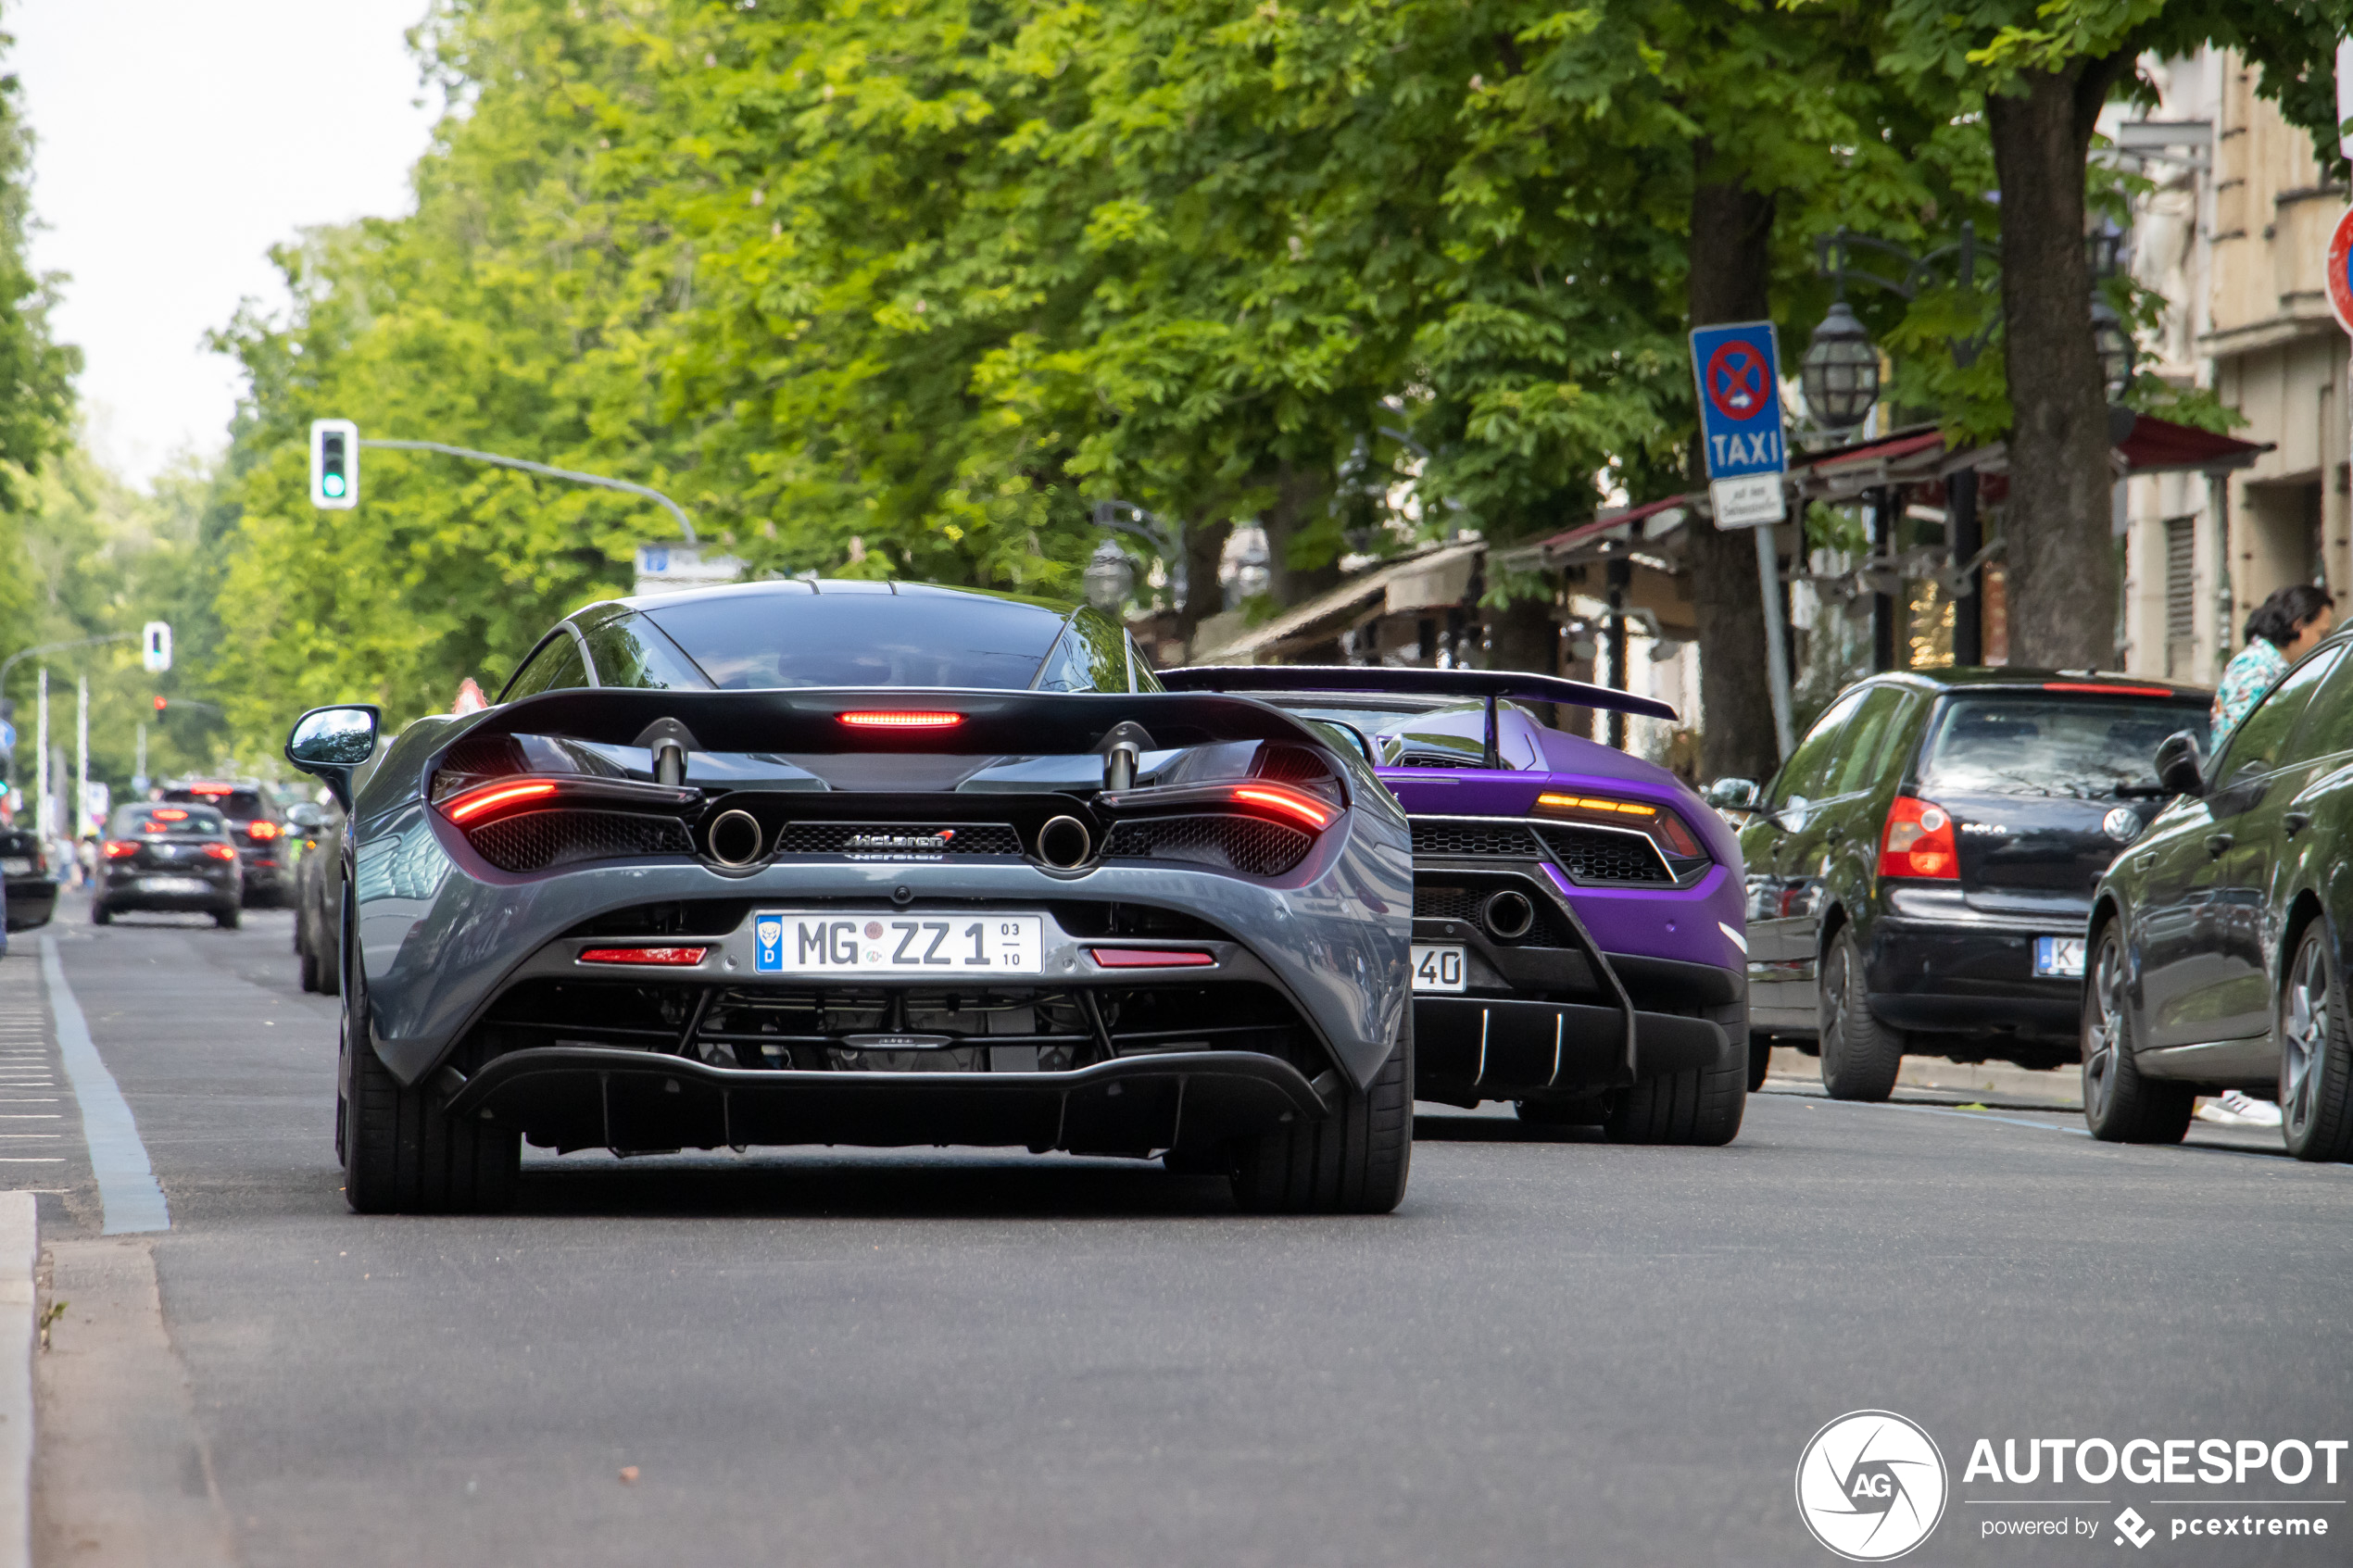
1737	366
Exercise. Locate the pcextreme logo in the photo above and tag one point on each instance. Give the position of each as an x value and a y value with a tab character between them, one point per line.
1871	1486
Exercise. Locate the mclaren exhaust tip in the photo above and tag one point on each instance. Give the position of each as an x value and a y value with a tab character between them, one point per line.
1064	843
734	838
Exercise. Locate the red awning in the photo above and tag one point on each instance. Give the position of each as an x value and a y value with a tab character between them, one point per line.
2162	446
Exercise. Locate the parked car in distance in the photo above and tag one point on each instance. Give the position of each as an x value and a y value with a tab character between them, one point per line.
158	856
256	825
31	891
318	895
1922	868
2219	940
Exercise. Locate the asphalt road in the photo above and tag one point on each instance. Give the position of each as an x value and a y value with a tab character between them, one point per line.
1558	1351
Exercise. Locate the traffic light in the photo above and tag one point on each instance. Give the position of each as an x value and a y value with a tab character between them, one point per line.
161	705
155	646
334	465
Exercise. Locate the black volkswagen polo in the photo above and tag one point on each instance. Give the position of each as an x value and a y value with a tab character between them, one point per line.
1921	870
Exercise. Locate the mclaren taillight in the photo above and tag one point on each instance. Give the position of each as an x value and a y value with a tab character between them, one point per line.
117	848
261	828
1918	841
667	957
473	804
1290	805
1152	957
899	719
221	851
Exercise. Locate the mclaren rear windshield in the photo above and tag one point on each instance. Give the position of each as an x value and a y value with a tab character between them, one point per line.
765	641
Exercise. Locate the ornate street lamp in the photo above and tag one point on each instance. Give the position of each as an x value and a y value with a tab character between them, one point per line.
2116	349
1841	371
1110	578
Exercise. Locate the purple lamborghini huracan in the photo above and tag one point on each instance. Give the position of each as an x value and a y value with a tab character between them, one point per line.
1578	947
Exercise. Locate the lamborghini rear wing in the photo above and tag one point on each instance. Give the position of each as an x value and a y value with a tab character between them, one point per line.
1490	686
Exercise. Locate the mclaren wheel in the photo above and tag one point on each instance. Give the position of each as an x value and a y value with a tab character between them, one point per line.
2120	1105
403	1154
1353	1161
2316	1054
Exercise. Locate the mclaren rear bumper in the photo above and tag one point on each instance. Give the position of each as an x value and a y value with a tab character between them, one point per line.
598	1097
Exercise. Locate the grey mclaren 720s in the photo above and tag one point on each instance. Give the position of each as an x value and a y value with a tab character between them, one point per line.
866	863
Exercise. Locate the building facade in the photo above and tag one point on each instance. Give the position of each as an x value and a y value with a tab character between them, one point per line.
2234	237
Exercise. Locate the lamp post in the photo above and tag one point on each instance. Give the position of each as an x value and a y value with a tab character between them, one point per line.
1109	577
1165	535
1835	384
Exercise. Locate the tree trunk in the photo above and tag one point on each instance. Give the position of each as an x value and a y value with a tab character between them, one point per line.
1523	635
1204	553
1301	496
1731	267
2058	554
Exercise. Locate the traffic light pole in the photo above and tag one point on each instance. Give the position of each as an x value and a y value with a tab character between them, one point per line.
686	525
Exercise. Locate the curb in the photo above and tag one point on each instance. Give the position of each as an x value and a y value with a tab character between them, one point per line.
20	1257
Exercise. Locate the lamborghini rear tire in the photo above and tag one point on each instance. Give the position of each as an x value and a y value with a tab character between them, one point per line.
1354	1162
1698	1106
403	1154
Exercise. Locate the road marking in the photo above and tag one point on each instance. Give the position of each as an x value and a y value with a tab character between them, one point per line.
128	1195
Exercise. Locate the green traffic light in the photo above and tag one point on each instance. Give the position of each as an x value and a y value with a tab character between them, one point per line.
331	486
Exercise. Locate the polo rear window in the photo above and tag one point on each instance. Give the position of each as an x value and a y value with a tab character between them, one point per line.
2030	742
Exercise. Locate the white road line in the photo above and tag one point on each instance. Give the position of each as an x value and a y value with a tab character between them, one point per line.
127	1191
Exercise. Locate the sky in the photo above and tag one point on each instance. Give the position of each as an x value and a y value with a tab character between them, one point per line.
178	140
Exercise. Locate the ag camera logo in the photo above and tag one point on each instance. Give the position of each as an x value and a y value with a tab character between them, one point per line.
1871	1486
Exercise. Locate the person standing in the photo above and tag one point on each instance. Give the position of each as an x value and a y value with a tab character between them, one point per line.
2281	629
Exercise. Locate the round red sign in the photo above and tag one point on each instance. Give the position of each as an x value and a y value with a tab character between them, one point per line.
1736	380
2340	270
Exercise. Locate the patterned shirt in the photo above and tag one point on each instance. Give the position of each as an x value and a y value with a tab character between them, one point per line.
2245	680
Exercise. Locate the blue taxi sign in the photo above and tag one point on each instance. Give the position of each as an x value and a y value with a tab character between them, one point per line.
1738	366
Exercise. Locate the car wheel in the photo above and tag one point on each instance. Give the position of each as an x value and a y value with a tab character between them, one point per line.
403	1155
308	967
1698	1106
226	919
1760	1059
1353	1161
2120	1105
99	913
2316	1054
1860	1055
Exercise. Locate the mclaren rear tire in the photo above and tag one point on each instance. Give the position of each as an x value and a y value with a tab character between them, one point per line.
1354	1162
404	1155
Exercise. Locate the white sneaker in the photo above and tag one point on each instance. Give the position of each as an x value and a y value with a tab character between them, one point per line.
2233	1109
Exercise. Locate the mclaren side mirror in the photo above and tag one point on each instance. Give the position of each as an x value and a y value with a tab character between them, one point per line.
1732	794
331	742
2178	768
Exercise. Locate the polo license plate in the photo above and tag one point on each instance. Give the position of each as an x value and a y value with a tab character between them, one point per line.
2059	958
1438	968
908	947
174	885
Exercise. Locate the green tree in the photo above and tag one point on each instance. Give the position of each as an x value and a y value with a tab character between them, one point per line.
2042	70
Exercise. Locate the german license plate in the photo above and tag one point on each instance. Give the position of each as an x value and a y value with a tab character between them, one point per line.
901	946
1438	968
2060	957
16	865
174	885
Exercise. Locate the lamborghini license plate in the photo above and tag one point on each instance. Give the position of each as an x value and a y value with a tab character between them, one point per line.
1438	968
898	946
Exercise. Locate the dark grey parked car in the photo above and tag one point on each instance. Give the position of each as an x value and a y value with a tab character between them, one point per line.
867	863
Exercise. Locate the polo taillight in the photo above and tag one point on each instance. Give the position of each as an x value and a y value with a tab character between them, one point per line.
1918	841
117	848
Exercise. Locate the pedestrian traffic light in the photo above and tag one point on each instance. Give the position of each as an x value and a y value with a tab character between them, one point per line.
155	646
159	705
334	464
